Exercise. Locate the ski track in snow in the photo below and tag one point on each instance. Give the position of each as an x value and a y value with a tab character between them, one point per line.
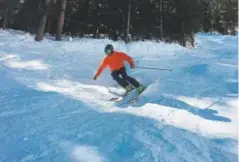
52	109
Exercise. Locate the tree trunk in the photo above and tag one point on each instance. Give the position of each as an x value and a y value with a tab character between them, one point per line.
86	10
128	22
182	26
41	27
5	22
182	35
61	18
161	20
233	28
210	22
41	21
226	28
49	25
192	39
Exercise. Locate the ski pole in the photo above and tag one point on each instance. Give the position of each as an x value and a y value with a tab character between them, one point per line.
139	67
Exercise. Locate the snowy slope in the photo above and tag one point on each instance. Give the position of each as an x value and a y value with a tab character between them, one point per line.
52	109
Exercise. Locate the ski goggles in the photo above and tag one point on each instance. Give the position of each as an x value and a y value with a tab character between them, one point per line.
108	51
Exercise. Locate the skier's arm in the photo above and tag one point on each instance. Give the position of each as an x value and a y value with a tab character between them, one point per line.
128	59
103	65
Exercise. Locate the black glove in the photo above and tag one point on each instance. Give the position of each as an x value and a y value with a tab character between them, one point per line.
95	77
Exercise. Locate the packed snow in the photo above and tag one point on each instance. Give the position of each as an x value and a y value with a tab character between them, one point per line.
53	110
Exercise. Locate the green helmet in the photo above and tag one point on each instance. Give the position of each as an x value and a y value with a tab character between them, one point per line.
108	49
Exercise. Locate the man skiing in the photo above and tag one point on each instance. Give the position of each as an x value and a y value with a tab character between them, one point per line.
115	61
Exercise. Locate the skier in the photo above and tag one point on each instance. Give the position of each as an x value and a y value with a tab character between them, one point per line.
115	61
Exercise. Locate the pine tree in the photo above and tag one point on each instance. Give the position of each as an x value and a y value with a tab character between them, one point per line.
166	20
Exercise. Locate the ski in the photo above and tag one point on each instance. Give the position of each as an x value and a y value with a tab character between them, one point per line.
123	99
115	98
127	98
119	96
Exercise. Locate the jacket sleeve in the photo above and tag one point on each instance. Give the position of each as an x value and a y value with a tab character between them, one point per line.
127	58
103	65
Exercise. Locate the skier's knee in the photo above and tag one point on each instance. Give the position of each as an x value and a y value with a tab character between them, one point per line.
115	76
125	76
129	78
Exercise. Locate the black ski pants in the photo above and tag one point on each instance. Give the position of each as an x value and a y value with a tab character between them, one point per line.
121	77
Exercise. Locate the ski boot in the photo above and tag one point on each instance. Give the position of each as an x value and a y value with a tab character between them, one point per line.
140	89
129	88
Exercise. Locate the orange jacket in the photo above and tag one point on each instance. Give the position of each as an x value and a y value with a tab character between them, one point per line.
115	61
